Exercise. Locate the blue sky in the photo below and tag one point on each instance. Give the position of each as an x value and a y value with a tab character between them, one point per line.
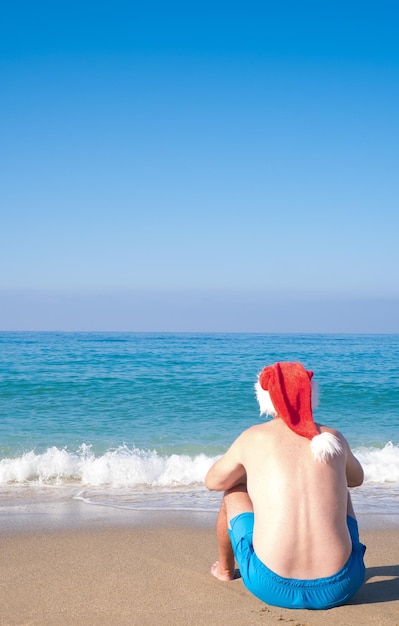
212	166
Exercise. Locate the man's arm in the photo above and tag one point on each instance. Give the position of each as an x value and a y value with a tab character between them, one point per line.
228	471
354	471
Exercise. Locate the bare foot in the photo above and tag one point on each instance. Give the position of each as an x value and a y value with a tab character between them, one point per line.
221	574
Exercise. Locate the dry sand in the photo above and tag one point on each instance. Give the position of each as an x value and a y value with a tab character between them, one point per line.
150	575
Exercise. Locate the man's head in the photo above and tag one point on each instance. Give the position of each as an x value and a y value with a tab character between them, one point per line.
285	390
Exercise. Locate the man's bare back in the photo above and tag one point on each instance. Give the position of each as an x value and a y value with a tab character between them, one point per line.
300	505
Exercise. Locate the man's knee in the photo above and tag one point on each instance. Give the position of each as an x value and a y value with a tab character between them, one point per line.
237	501
237	489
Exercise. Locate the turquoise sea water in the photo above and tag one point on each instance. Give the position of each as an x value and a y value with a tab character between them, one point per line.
134	420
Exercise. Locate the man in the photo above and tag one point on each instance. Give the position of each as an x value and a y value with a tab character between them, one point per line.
286	514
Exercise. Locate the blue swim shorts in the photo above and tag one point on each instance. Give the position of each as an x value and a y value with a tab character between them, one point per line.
291	593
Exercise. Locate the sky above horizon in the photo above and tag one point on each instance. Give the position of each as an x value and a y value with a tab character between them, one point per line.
213	166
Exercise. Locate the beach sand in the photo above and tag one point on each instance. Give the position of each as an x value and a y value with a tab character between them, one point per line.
159	573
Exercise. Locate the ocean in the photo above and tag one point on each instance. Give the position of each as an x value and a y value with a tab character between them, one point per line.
134	420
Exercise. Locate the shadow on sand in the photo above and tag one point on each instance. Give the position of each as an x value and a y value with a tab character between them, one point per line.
374	591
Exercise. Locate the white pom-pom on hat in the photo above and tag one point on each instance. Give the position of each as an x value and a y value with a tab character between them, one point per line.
324	446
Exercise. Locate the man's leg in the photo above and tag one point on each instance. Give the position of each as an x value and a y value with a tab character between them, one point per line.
235	501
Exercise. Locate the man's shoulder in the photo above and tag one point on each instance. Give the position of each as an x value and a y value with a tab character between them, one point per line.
255	431
333	431
324	428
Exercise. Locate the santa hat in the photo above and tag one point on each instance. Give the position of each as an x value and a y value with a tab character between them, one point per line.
285	390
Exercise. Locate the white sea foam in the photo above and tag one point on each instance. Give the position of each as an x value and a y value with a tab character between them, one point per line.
125	467
380	465
122	467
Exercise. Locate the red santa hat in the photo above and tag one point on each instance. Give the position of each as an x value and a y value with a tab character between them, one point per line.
285	390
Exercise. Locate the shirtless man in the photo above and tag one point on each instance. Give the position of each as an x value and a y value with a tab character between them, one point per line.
286	514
